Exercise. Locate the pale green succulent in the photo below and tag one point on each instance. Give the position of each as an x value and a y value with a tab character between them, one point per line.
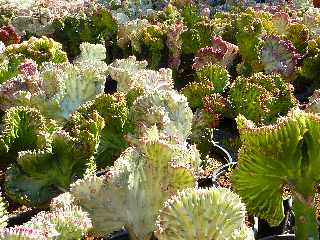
168	110
64	221
203	214
122	70
134	189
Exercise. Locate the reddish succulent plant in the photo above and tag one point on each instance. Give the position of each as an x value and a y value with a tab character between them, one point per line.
9	36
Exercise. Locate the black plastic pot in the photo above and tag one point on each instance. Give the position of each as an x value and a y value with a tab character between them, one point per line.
264	231
122	235
222	171
221	154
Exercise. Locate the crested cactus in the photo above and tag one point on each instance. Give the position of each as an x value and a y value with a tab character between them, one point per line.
219	52
39	175
39	49
23	129
21	233
286	153
168	110
196	91
261	98
279	56
217	75
113	109
151	44
203	214
136	187
57	90
64	221
248	36
9	36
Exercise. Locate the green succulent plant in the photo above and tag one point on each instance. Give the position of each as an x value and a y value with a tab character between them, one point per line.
136	186
285	153
261	98
40	50
216	74
38	175
203	214
113	109
23	129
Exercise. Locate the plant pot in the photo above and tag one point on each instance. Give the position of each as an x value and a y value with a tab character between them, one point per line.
222	171
121	235
222	155
264	231
280	237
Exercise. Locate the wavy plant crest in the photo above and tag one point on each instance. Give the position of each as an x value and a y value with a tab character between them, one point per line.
271	156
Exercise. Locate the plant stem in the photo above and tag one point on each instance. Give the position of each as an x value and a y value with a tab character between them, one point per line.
305	220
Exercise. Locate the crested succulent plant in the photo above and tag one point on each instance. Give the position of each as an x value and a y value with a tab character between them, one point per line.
311	62
279	56
9	36
21	233
261	98
271	156
216	74
113	109
94	26
136	186
298	34
64	221
41	50
168	110
40	174
57	90
174	44
23	129
122	71
203	214
151	44
280	22
248	37
196	91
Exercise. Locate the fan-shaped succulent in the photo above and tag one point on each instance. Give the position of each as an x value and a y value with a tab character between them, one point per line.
271	156
203	214
64	221
39	175
298	34
9	36
280	22
136	187
168	110
311	62
196	91
248	37
23	129
174	44
279	56
261	98
113	109
39	49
